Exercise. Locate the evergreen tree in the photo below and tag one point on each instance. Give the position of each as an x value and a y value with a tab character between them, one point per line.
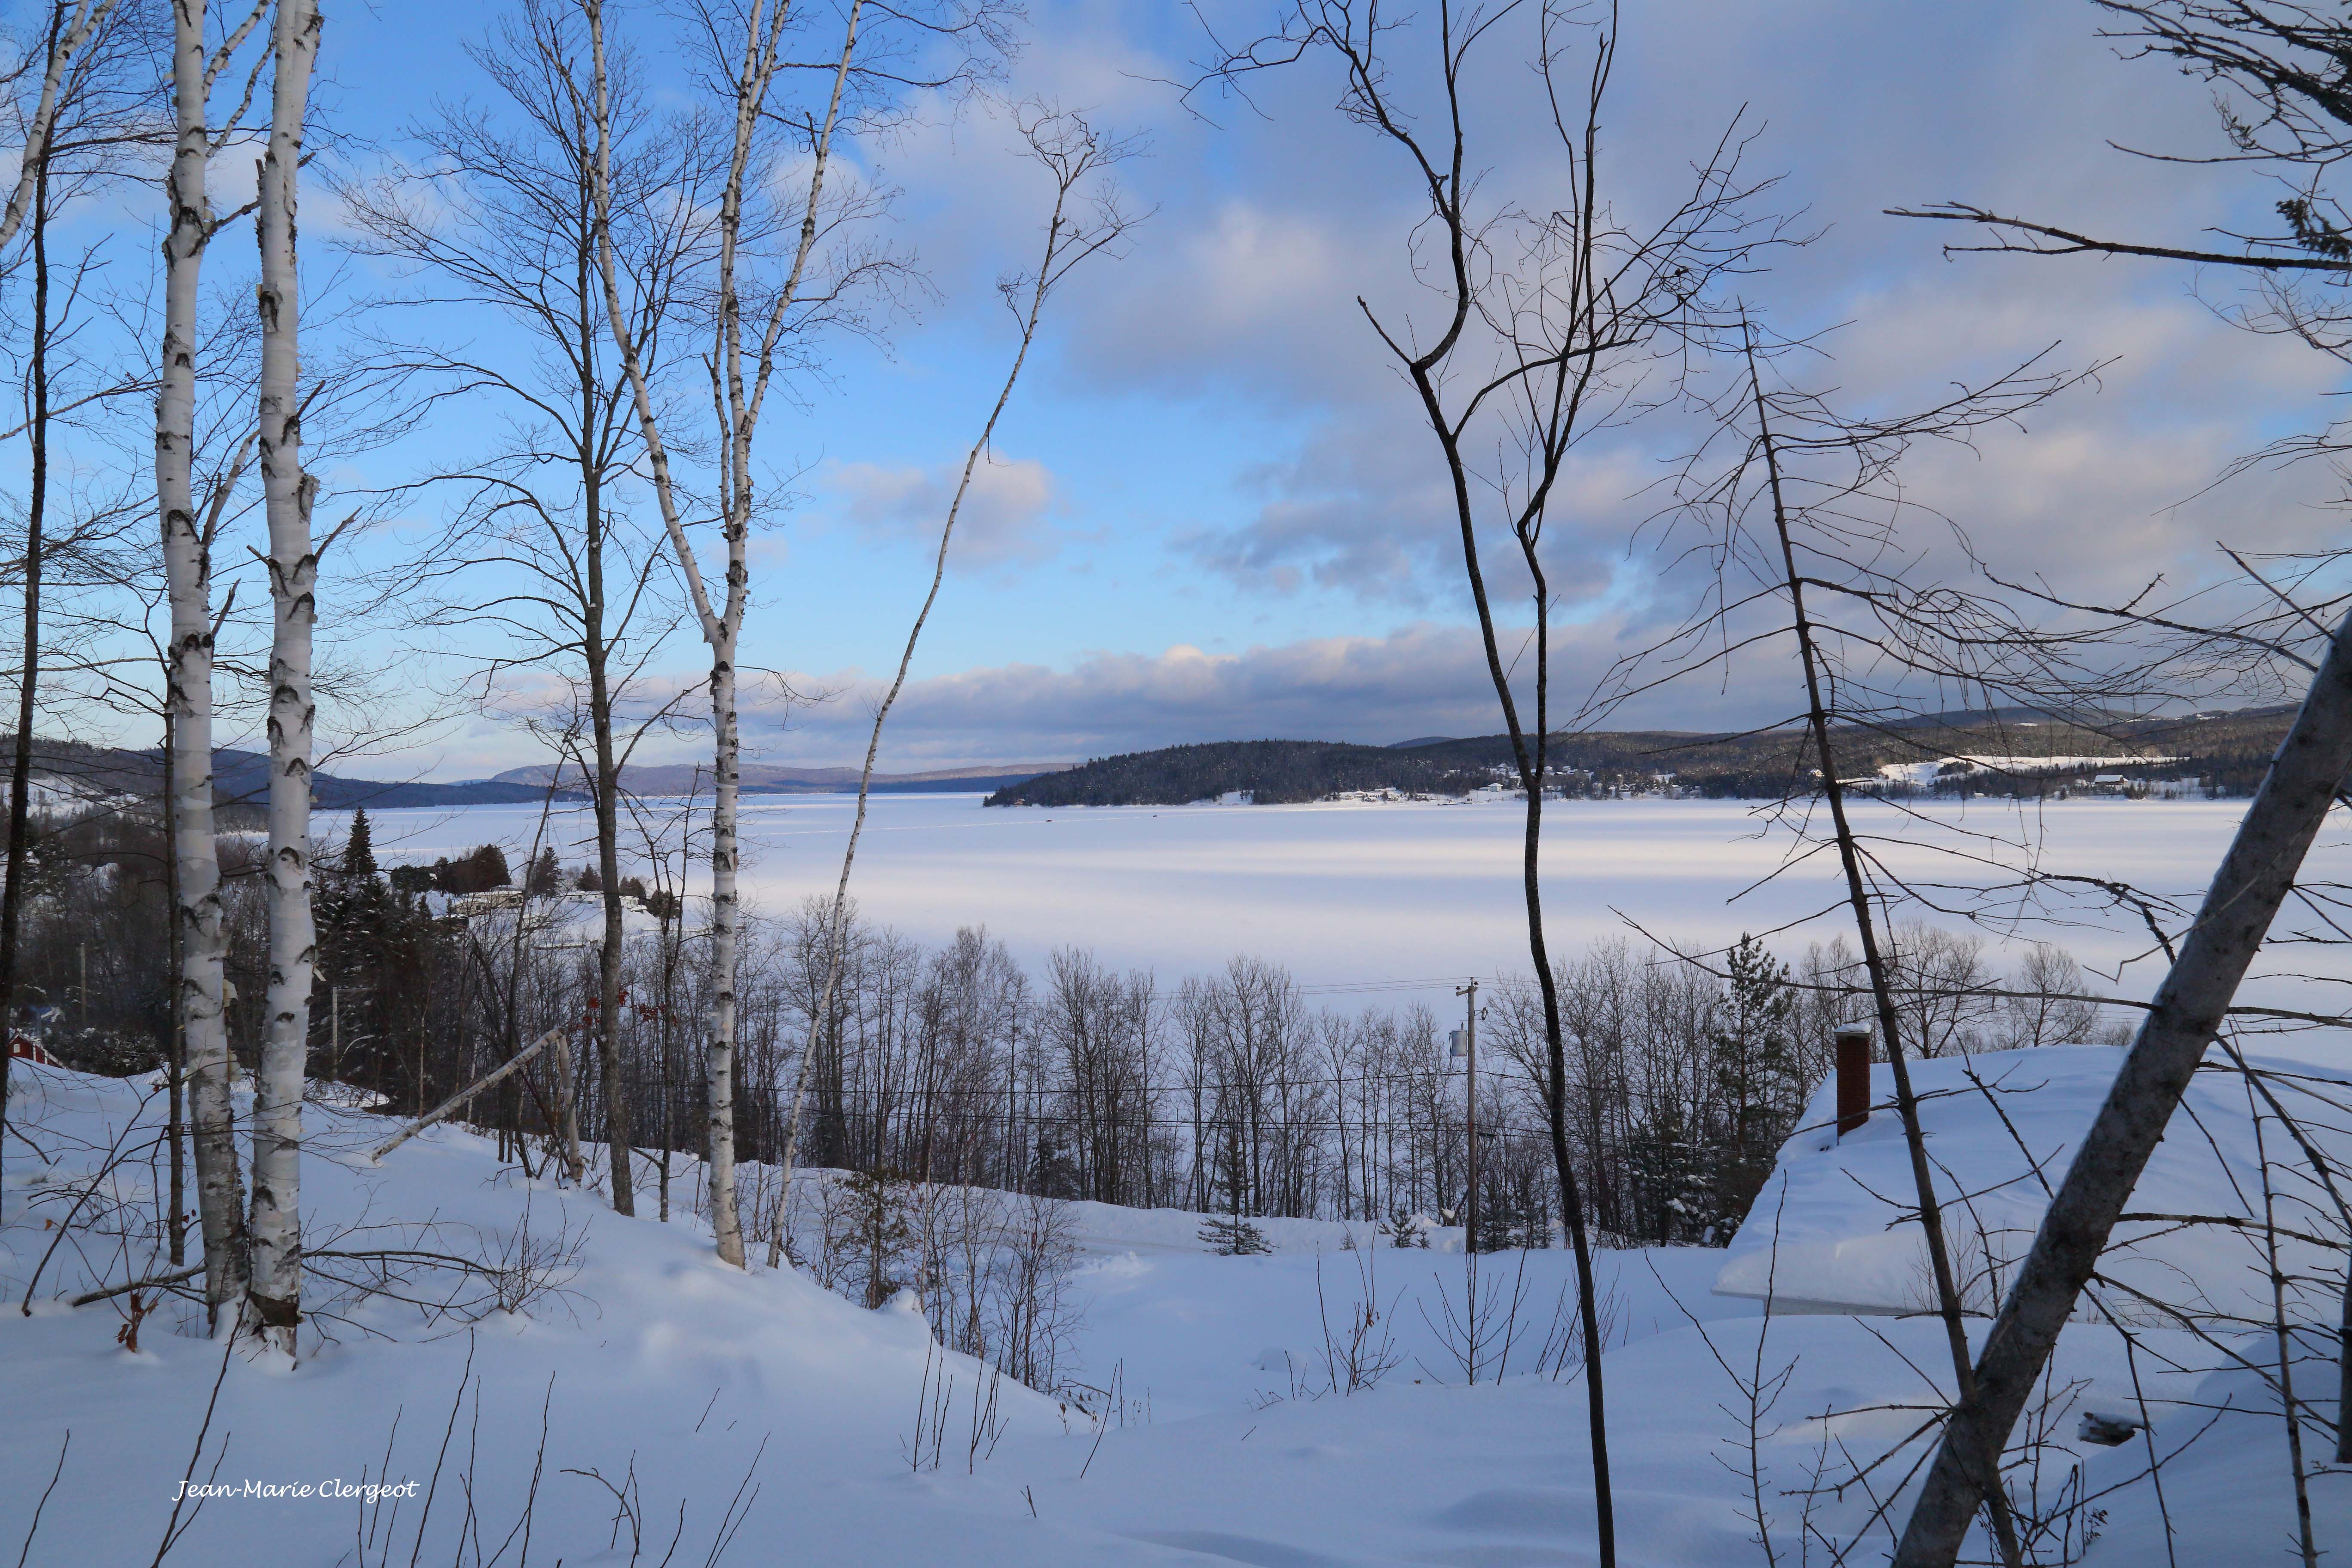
1229	1235
1052	1173
1674	1198
1405	1229
881	1204
1758	1089
479	872
359	849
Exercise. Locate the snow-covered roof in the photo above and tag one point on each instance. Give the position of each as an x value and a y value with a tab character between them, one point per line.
1831	1231
555	920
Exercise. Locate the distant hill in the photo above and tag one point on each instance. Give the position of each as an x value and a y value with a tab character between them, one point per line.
241	780
2230	749
770	778
1271	771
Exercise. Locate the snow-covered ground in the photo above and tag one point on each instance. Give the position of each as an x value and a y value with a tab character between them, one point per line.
1927	772
697	1390
1350	894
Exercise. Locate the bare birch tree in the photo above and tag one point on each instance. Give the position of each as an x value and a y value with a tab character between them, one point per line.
275	1286
744	44
66	32
740	399
196	68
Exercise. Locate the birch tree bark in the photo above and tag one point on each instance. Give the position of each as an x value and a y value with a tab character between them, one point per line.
188	677
66	39
2252	880
275	1288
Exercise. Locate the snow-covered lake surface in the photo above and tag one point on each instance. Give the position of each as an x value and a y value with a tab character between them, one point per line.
1351	894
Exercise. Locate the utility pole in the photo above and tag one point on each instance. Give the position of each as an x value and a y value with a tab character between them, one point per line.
1466	1045
1012	1112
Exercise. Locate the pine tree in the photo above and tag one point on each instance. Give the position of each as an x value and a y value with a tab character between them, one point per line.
880	1207
1405	1229
1752	1052
1229	1235
359	849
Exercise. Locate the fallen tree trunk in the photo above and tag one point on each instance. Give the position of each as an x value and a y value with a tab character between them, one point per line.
2254	880
512	1064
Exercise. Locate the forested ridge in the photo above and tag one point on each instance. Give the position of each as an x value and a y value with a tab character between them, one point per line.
2223	751
241	780
1269	772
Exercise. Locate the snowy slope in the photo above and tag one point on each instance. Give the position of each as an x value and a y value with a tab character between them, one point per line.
655	1361
653	1353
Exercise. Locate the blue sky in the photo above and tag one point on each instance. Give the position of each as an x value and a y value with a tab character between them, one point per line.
1213	515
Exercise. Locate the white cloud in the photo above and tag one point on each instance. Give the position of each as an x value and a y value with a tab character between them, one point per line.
1008	517
1422	679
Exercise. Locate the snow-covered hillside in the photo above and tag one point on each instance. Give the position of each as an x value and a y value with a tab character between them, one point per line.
785	1425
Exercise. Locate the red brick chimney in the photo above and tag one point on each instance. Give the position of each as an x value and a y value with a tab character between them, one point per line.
1853	1076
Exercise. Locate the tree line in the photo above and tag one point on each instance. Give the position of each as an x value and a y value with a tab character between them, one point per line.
951	1066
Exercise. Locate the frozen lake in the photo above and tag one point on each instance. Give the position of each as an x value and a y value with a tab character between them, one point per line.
1351	895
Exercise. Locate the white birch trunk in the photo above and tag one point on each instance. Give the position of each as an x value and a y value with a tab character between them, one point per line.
188	677
276	1288
740	403
726	931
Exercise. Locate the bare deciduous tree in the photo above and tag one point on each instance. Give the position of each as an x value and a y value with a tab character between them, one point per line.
772	283
500	214
740	398
2275	65
91	109
275	1291
196	68
1555	314
1076	157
